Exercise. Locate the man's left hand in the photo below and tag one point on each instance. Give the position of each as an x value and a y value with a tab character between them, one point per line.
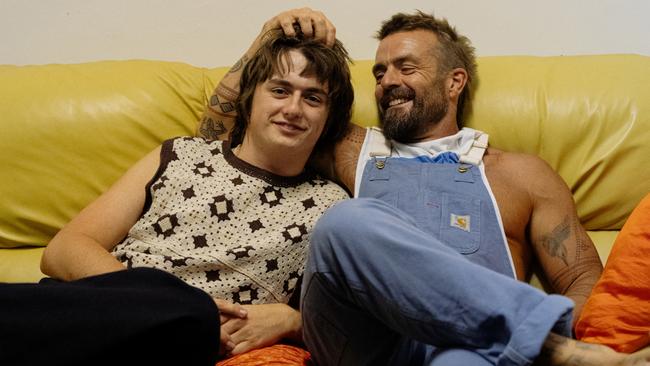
265	325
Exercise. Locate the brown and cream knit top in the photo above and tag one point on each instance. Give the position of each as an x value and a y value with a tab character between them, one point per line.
236	231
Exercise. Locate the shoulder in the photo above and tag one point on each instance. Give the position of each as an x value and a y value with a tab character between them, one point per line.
191	141
322	187
506	160
525	171
192	145
351	143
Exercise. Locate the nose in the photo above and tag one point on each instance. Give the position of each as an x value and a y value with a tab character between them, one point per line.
390	80
292	109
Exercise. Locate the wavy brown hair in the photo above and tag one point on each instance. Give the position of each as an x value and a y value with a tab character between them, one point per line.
328	64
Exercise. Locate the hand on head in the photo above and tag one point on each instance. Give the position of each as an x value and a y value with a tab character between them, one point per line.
312	23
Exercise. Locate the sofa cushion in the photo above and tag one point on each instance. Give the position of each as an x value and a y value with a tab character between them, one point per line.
278	355
617	313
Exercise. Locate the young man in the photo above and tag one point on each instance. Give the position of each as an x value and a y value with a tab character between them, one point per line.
230	218
449	225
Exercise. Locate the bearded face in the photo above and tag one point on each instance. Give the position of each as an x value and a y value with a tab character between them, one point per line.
407	114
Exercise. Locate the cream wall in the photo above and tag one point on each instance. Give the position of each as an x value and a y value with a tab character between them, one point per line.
215	33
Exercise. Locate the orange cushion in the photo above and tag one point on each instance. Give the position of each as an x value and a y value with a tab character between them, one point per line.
617	313
276	355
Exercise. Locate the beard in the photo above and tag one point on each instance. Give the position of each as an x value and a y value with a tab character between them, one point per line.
425	113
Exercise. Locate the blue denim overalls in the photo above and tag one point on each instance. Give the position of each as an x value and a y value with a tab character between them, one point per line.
400	275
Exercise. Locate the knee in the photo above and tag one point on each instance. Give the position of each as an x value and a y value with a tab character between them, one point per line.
340	216
196	316
348	224
344	220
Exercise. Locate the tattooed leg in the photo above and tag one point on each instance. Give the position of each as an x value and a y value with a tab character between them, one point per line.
562	351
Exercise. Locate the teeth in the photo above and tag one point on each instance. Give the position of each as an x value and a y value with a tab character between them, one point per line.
395	102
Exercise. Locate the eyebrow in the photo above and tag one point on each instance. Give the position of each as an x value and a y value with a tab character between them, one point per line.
282	82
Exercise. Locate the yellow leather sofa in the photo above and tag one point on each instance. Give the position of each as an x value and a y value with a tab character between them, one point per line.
67	132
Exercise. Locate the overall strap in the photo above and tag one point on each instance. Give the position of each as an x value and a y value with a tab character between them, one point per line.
474	154
378	145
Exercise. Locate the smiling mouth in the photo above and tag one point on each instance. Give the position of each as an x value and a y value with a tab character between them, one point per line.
399	101
289	127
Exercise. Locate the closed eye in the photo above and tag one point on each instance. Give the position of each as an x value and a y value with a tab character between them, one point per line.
407	70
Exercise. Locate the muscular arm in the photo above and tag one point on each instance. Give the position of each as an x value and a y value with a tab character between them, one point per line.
346	156
218	118
340	162
567	256
82	247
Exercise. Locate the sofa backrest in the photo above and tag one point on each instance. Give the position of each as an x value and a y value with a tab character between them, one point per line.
67	132
587	116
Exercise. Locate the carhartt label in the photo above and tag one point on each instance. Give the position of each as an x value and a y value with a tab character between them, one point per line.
460	221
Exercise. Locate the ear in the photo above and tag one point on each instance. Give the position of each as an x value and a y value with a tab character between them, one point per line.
456	82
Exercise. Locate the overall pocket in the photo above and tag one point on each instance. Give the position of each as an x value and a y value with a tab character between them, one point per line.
461	222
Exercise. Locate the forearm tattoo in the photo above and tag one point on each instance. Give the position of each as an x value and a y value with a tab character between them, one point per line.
238	65
553	346
347	155
211	129
562	351
224	106
568	276
554	244
226	92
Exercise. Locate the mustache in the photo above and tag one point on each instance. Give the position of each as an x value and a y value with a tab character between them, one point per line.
397	93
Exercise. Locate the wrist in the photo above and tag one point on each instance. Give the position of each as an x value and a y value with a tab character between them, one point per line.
294	325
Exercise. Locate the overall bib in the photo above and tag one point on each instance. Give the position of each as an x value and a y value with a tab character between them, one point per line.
447	199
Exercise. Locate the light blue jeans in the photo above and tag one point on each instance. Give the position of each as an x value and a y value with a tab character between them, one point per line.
379	291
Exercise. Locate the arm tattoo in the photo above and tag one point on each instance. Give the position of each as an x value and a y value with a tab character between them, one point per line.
554	242
211	129
347	156
561	351
226	92
238	65
585	262
225	106
565	277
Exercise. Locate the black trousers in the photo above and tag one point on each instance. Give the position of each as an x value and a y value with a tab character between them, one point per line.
139	316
